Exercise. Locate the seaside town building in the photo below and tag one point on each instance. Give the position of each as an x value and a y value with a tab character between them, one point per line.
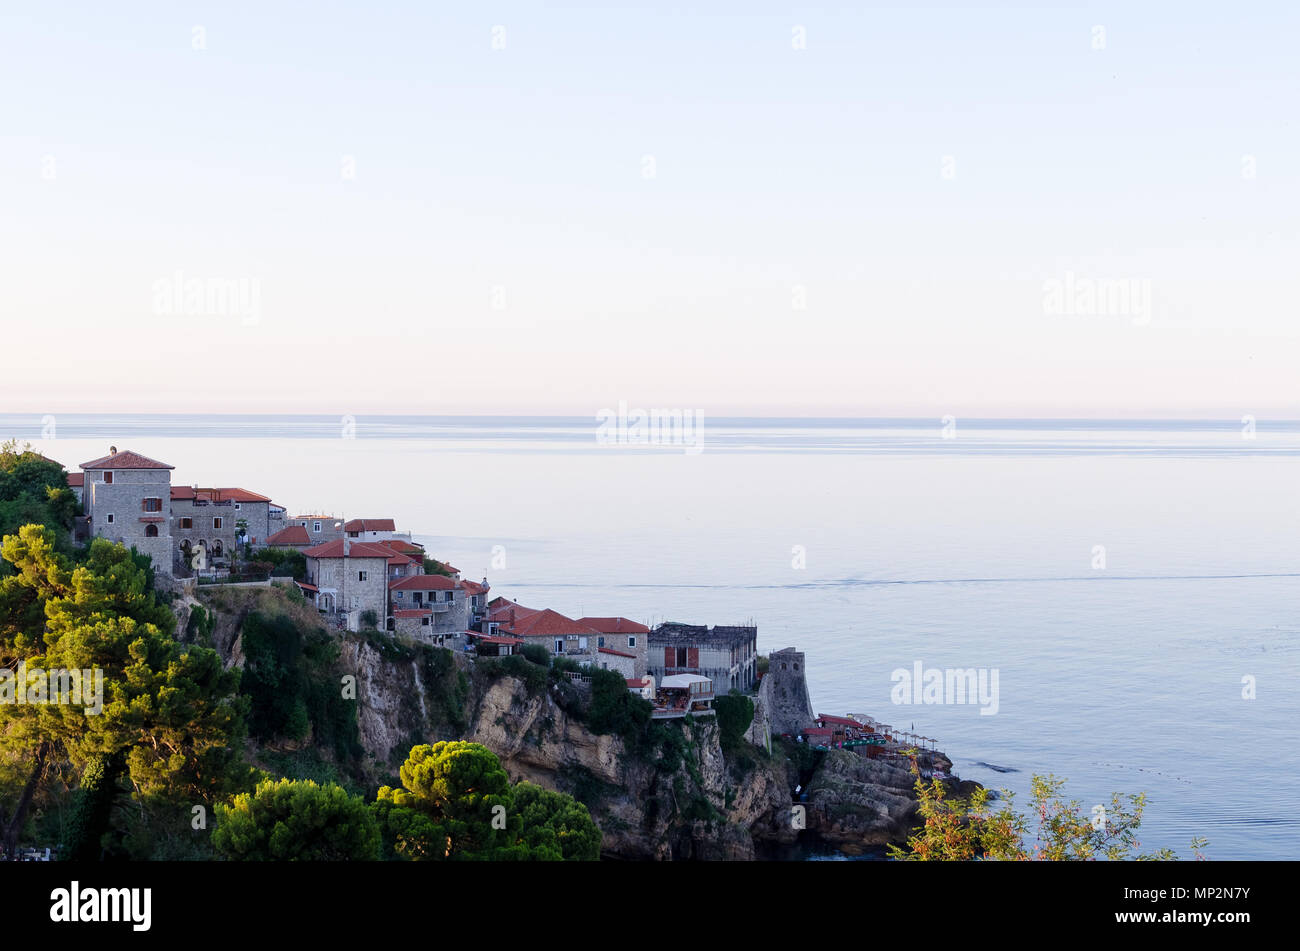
728	656
126	498
347	579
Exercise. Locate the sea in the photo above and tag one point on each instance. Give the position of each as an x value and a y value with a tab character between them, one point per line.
1128	589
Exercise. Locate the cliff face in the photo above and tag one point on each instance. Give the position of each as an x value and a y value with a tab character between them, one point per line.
678	797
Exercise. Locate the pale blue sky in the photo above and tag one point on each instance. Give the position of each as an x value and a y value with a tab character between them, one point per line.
499	248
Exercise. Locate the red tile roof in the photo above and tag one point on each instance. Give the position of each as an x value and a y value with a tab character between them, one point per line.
473	587
76	480
400	545
420	582
412	612
495	638
615	625
336	549
370	525
845	721
125	460
610	650
231	495
546	623
816	731
638	682
182	492
293	535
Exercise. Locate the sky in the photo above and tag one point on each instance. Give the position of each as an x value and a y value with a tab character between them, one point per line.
749	209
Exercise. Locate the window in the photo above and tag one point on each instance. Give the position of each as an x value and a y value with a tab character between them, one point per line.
151	531
216	522
315	526
361	576
600	642
631	640
446	595
187	523
110	518
237	506
424	622
400	595
582	643
108	478
681	657
153	505
559	646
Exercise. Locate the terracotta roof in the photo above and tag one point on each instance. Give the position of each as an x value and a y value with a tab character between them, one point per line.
638	682
495	638
232	495
610	650
76	480
817	731
293	535
370	525
413	612
125	460
846	721
305	586
336	549
546	623
615	625
400	545
473	587
181	492
420	582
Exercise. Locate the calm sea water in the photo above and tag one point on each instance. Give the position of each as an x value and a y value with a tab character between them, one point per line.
872	545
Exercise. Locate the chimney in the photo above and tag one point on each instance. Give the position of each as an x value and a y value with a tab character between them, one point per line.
112	450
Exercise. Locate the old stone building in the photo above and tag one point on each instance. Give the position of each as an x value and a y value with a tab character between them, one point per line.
440	600
127	499
784	692
726	655
628	637
206	523
346	579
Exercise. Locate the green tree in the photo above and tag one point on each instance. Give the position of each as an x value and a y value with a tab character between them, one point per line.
296	820
556	826
963	829
168	708
462	798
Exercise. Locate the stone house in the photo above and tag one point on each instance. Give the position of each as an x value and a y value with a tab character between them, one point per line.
294	537
440	599
372	529
127	498
346	579
207	521
621	634
320	528
608	658
728	656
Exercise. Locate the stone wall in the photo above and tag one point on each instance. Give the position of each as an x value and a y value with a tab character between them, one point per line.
784	692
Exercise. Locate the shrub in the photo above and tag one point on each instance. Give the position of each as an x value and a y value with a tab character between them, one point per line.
537	654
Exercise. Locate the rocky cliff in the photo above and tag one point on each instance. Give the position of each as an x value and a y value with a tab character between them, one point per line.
675	795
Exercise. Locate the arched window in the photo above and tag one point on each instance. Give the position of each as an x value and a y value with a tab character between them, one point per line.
151	531
216	548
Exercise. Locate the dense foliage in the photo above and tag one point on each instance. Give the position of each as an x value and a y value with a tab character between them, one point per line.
456	802
296	820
